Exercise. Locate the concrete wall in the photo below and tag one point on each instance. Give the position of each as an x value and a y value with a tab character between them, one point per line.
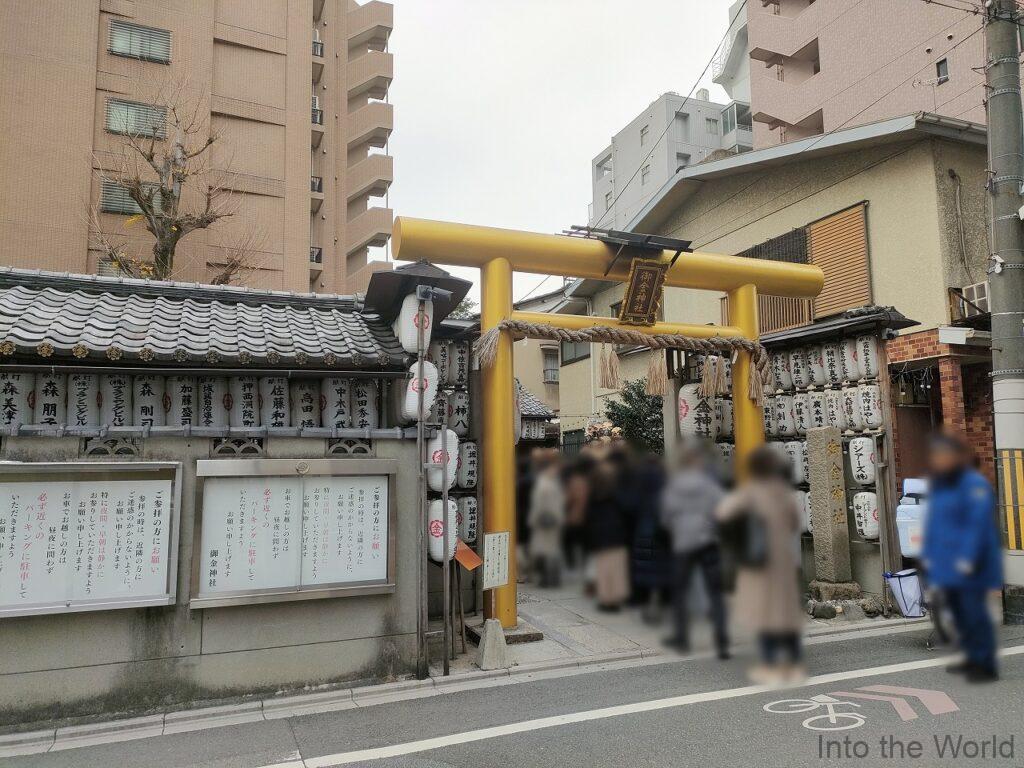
132	659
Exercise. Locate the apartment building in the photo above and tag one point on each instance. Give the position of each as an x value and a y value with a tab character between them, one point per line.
672	133
294	92
811	67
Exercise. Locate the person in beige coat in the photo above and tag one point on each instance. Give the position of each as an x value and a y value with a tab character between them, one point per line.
765	513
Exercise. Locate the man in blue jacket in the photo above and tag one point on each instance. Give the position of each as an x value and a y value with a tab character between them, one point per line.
962	551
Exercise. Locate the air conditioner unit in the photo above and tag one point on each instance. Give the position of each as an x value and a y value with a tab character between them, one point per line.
974	300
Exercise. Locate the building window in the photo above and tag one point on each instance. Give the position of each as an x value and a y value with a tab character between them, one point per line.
645	173
643	135
942	70
114	198
711	124
139	42
550	362
608	200
572	351
134	119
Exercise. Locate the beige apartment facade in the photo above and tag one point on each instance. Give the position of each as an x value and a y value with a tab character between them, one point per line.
294	92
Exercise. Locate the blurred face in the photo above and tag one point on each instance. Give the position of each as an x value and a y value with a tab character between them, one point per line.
944	459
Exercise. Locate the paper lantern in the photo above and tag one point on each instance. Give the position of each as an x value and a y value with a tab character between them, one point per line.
442	449
440	355
183	399
832	359
785	421
49	399
467	474
336	393
306	405
407	324
149	401
458	415
467	518
805	500
727	451
116	400
870	396
797	459
867	356
806	463
413	386
816	366
851	409
213	394
439	408
83	400
243	403
848	358
865	514
834	409
365	404
17	391
802	412
799	369
817	411
727	363
458	364
436	526
862	460
275	402
724	416
696	414
780	370
768	413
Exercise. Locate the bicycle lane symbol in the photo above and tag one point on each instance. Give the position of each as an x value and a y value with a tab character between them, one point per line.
831	720
837	717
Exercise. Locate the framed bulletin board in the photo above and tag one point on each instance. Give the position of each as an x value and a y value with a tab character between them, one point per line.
293	529
87	536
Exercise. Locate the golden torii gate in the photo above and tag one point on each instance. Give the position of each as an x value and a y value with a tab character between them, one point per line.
500	252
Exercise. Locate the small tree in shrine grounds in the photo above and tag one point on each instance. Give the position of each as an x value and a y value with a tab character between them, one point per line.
638	415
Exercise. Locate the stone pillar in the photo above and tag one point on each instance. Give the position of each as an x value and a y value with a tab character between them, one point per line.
828	505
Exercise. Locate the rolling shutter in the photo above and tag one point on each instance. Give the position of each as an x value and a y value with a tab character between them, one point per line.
839	245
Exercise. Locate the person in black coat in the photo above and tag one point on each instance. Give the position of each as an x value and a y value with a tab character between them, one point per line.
651	558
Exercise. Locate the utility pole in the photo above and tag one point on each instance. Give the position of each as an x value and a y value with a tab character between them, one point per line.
1006	281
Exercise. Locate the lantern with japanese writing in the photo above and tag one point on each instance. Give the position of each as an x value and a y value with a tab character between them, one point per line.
848	357
802	411
116	400
243	403
414	385
797	459
14	401
365	404
467	473
862	460
275	402
410	319
440	355
834	409
443	452
817	411
723	413
83	400
865	514
785	421
870	396
458	364
439	408
867	356
305	403
149	401
49	399
435	529
807	463
696	413
832	359
183	396
337	396
213	391
727	451
808	525
458	414
768	412
780	370
851	409
799	368
467	518
726	363
816	366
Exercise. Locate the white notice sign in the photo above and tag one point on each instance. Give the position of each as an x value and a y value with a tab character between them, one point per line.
68	544
495	559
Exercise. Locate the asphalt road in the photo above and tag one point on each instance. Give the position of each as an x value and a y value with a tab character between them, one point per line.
701	713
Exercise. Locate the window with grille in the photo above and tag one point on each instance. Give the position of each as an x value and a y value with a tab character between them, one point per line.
645	174
114	198
139	42
134	119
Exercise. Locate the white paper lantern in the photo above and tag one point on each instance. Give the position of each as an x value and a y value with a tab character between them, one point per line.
785	421
797	459
116	400
780	370
817	410
806	462
724	416
83	400
867	356
799	369
458	364
728	452
832	358
865	514
848	357
862	460
851	409
834	409
183	395
49	399
336	394
439	409
808	525
407	324
413	385
275	401
149	401
443	448
435	529
306	405
870	396
15	392
816	366
440	355
696	414
243	402
467	519
467	474
365	404
768	414
727	363
458	415
802	412
213	397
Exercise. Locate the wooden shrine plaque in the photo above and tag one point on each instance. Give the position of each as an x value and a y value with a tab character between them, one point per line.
643	296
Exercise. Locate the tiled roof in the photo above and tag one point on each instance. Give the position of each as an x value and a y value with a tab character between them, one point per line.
530	406
84	317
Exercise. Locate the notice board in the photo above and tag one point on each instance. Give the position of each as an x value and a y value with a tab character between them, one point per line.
87	536
278	529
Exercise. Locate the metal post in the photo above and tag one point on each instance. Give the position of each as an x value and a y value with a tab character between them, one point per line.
445	538
1006	274
422	618
747	415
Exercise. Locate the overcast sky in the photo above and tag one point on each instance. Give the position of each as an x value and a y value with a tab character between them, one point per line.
500	105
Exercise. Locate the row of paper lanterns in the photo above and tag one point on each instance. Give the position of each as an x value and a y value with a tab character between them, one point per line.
450	357
865	513
459	463
847	361
850	409
861	453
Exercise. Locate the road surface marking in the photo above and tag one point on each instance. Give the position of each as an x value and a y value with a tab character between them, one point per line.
937	702
482	734
901	705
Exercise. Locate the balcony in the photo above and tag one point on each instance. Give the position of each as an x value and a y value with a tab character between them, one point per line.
371	75
316	193
370	177
370	25
318	60
316	127
316	261
370	124
370	228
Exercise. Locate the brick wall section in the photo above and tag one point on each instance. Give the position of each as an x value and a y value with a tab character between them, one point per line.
979	429
951	390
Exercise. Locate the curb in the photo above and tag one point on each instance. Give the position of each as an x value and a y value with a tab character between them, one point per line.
210	717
